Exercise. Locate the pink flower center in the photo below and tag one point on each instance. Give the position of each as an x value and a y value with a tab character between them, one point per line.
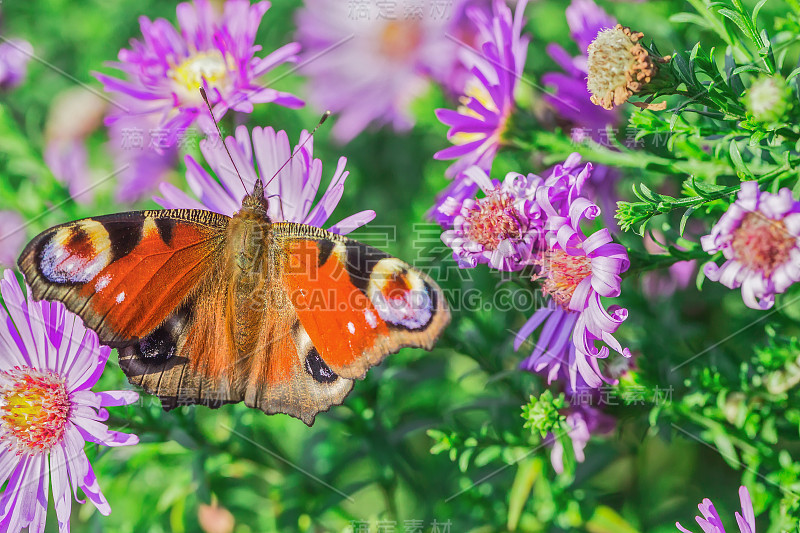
492	220
34	408
400	39
562	273
762	244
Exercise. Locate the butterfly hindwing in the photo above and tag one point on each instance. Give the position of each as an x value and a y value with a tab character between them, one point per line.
357	303
124	274
283	373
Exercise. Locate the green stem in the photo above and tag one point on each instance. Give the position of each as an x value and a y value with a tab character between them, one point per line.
643	211
642	262
559	147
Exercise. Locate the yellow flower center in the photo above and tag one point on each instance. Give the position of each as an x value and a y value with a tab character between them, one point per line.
475	90
562	273
400	39
189	75
34	408
762	244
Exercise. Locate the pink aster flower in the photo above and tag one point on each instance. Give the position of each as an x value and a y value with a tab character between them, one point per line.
290	195
759	235
48	363
575	271
712	523
12	237
164	71
368	61
14	57
477	127
504	228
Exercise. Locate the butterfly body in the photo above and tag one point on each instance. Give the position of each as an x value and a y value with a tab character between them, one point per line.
209	309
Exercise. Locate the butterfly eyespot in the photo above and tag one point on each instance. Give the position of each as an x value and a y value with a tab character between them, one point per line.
76	254
317	368
401	297
157	347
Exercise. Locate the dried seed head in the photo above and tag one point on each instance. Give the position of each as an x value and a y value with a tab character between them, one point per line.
619	66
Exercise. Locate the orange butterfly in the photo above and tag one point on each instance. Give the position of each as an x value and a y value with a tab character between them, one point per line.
210	309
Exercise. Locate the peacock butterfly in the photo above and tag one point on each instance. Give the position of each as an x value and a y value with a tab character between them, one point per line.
210	309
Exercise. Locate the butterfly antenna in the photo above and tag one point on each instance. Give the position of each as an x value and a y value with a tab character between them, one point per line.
216	125
322	120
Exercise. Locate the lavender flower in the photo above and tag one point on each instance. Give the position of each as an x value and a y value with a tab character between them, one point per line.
478	126
583	422
14	57
164	71
759	236
712	523
503	229
48	363
68	160
378	59
290	195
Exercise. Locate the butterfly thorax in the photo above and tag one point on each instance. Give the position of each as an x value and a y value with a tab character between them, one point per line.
249	233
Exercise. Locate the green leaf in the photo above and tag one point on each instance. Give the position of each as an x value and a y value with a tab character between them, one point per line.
528	470
739	20
758	8
794	73
738	163
749	68
607	520
685	219
690	18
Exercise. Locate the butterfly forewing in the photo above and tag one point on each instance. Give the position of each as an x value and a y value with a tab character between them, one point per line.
124	274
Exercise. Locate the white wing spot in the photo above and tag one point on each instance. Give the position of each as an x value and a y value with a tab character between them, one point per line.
102	283
351	328
372	320
121	297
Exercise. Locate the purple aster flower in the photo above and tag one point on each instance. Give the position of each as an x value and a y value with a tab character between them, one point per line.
290	195
12	237
712	523
164	71
504	228
48	363
575	272
377	59
477	127
759	235
142	154
14	57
